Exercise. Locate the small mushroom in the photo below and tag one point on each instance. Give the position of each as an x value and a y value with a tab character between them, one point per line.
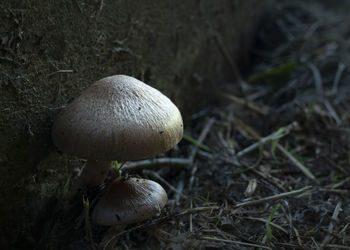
117	118
125	202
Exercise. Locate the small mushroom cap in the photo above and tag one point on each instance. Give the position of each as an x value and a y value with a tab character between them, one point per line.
129	201
118	118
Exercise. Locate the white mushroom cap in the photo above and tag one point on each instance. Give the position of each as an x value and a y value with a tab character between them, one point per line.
118	118
129	201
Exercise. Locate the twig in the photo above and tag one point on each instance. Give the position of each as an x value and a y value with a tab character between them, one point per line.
312	29
264	140
296	163
267	176
191	181
202	137
248	129
336	191
318	80
340	70
332	112
329	236
274	197
298	236
191	223
171	162
194	151
234	242
157	163
60	71
180	187
265	221
157	176
246	103
320	93
344	228
337	246
315	242
102	4
285	207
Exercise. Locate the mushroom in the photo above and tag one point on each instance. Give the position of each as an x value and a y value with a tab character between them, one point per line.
117	118
127	201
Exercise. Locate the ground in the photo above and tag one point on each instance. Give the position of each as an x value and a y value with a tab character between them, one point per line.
266	167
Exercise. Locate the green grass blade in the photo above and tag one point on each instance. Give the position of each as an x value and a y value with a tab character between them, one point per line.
275	77
116	166
196	143
282	131
268	226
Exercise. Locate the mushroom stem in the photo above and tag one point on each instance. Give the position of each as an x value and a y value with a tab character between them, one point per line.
95	172
110	238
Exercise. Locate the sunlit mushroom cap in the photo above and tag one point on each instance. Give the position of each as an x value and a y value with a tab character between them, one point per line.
129	201
118	118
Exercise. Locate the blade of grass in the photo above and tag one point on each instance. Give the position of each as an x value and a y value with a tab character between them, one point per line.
87	222
196	143
268	236
116	166
282	131
275	77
